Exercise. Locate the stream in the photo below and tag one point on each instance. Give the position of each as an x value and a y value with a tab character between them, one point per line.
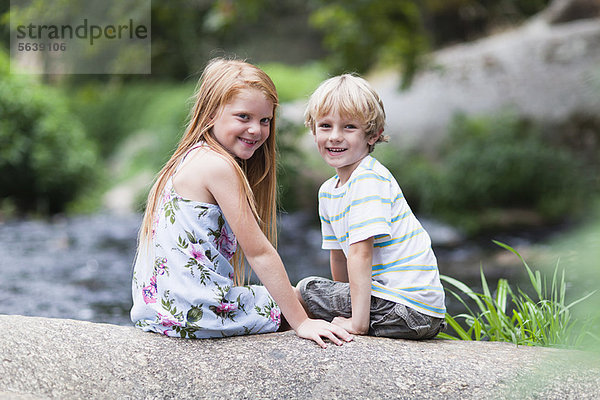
80	267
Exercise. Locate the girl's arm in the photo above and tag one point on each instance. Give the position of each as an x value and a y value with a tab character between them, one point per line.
360	264
337	261
224	185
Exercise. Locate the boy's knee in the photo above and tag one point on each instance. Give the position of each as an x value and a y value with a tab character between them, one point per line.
301	286
300	289
299	296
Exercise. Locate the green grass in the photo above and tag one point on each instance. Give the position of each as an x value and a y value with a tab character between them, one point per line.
544	318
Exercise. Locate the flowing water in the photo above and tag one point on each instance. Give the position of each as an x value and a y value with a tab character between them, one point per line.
80	267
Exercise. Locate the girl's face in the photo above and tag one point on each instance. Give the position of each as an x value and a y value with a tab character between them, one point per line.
243	124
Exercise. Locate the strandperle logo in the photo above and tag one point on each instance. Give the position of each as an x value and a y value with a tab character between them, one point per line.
80	36
82	31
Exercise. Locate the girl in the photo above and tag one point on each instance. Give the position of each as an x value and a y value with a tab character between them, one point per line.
218	190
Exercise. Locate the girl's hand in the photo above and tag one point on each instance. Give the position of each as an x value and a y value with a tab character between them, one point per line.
346	323
314	329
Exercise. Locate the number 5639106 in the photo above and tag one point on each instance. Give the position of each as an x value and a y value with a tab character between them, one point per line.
25	46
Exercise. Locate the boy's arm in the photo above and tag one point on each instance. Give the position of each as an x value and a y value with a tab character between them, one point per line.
360	264
337	261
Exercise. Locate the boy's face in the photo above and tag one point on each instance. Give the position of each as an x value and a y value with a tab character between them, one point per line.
342	142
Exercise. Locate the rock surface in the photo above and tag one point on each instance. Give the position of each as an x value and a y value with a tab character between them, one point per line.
544	72
57	358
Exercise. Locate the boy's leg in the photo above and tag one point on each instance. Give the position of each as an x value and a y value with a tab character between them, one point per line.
301	300
324	298
395	320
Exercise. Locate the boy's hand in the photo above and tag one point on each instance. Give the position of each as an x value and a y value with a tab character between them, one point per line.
314	329
346	323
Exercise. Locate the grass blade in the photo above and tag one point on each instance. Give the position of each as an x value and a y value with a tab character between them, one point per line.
464	289
457	328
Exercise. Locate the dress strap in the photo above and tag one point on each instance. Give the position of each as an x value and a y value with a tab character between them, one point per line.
193	148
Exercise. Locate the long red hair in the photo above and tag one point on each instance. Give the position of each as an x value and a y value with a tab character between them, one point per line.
221	80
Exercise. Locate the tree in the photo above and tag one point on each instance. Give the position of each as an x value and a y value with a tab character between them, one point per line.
46	161
363	33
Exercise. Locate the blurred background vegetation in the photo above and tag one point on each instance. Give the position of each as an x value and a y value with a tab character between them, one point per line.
67	142
73	138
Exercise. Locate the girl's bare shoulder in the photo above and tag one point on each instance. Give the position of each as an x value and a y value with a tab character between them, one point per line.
208	161
198	175
204	160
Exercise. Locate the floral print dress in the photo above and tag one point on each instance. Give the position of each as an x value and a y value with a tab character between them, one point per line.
183	284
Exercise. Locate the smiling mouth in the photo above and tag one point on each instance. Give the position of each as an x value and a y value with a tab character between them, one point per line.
249	142
335	150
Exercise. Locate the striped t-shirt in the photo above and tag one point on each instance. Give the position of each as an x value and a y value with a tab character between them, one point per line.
371	204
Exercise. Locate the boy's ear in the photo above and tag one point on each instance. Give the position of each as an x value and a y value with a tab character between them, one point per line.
374	137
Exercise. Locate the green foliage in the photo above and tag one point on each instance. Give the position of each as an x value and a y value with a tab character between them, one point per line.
136	127
361	34
45	158
419	177
130	56
295	82
186	34
487	166
296	189
504	162
113	113
544	319
579	251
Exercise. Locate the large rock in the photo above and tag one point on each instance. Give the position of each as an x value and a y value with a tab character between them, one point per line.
56	358
547	72
560	11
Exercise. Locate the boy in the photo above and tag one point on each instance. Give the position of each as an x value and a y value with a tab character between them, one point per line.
386	280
